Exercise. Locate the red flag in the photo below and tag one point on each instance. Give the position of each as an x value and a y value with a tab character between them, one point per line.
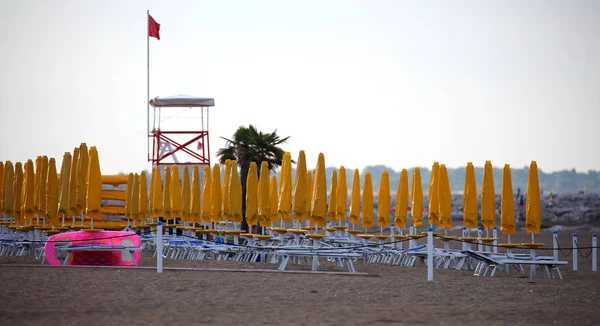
153	28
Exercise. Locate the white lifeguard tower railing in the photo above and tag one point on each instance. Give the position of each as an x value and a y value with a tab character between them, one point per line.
179	134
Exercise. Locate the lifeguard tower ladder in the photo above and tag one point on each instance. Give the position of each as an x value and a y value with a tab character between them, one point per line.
179	134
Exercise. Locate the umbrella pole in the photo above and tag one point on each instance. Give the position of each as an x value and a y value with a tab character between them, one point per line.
63	219
381	230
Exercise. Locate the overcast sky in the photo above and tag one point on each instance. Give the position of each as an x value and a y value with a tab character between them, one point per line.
400	83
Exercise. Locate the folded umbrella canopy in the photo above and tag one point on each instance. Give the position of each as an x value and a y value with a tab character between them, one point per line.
216	207
383	200
401	200
82	172
135	198
342	196
143	198
355	199
195	196
309	195
2	185
64	186
417	198
175	192
367	202
51	206
264	204
166	195
29	192
470	198
252	195
285	195
225	190
73	184
445	199
186	196
235	195
206	195
41	191
533	213
319	200
94	186
488	197
434	184
128	198
156	194
299	198
273	199
8	208
18	190
507	203
331	208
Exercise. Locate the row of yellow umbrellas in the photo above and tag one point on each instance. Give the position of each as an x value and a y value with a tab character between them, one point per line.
39	191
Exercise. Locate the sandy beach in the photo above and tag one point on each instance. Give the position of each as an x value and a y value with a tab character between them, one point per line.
386	295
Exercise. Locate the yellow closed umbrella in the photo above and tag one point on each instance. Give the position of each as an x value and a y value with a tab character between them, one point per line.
94	186
533	212
355	200
18	190
309	195
73	184
216	211
225	190
82	172
299	198
331	208
401	200
507	203
445	199
367	202
65	183
156	194
2	185
319	200
29	192
417	198
342	196
51	207
206	195
195	196
128	196
175	192
186	199
470	198
434	184
41	191
488	197
9	189
383	200
273	199
235	194
143	199
252	195
263	194
36	200
285	197
166	195
135	197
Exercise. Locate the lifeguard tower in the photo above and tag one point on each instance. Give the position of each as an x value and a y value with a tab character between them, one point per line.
178	130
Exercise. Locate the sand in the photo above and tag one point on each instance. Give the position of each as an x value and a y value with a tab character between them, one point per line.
387	295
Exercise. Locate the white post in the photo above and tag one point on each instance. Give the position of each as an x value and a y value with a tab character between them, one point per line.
159	248
479	242
464	234
430	254
315	261
411	241
495	235
594	252
555	244
575	251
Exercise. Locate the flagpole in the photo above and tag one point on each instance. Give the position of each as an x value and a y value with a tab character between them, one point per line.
148	84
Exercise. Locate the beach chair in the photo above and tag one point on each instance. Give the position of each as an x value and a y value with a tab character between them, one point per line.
491	263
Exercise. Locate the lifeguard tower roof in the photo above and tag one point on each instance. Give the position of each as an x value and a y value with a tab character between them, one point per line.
186	101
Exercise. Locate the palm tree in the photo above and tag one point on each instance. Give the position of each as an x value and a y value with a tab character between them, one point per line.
250	145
